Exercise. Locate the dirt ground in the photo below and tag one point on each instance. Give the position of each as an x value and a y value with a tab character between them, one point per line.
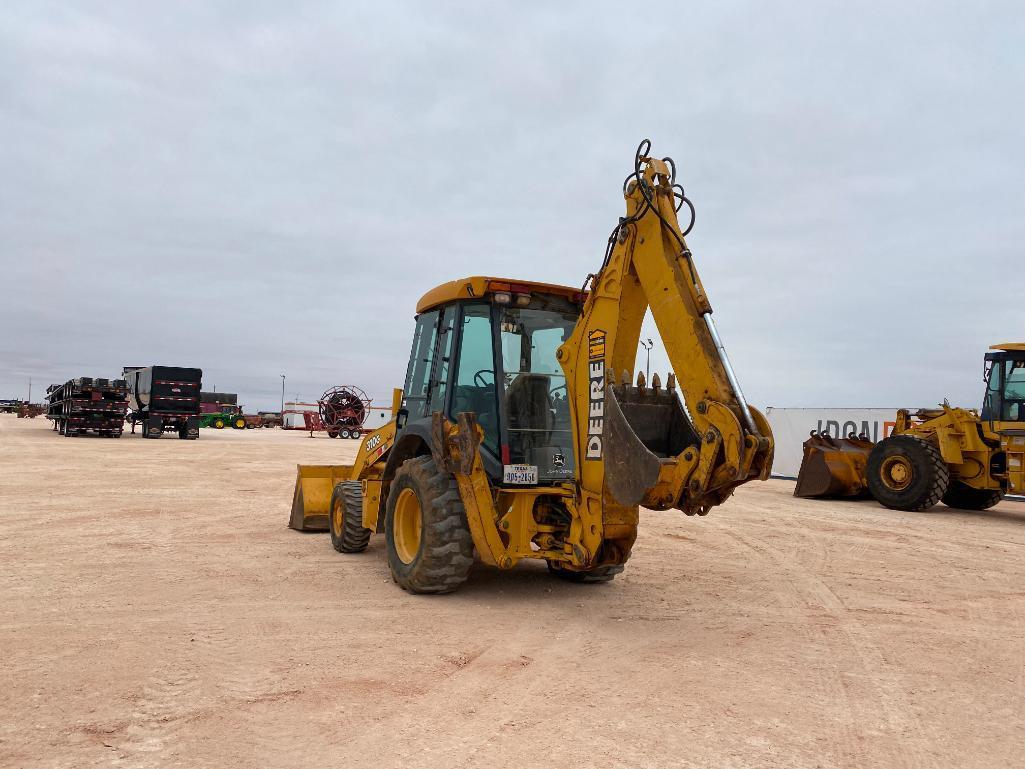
156	612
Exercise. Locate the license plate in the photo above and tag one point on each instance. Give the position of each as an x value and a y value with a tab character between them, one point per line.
521	474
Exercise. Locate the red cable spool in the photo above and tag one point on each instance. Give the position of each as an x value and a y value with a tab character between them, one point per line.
344	407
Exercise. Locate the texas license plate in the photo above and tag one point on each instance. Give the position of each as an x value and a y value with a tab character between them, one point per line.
521	474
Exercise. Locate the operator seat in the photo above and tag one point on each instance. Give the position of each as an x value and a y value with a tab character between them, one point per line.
528	403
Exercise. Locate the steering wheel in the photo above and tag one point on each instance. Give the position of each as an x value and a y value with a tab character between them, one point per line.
557	388
479	377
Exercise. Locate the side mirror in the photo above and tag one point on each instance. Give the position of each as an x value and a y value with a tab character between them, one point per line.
401	417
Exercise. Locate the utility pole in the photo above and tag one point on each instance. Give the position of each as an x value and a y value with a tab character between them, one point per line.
30	389
282	396
647	345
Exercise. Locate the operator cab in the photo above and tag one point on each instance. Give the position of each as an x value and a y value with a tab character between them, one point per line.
1005	383
488	346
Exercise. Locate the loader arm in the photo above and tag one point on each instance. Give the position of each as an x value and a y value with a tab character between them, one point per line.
639	443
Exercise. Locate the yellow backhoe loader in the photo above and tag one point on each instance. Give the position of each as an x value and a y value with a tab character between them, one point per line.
966	459
519	433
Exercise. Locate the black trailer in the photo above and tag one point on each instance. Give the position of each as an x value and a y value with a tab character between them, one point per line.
164	399
88	404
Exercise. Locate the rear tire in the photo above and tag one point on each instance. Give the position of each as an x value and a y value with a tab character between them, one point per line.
597	574
964	497
907	473
343	433
430	549
346	518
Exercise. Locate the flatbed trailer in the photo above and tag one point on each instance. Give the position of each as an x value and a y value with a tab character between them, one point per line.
88	404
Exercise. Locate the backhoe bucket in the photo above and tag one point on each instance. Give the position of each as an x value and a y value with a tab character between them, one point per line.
643	425
311	500
833	467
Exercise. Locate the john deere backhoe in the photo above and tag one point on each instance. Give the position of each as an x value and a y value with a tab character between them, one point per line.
966	459
519	433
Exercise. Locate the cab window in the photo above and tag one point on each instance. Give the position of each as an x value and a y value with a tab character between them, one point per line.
439	386
421	359
1014	391
475	377
539	431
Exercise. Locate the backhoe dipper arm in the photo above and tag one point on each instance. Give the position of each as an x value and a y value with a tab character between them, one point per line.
639	443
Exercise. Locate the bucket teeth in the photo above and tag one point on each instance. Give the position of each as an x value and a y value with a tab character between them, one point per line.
656	383
645	427
625	378
671	382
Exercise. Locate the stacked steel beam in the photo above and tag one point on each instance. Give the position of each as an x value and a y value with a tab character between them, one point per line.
86	404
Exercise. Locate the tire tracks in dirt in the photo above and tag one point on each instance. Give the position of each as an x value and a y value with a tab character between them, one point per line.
475	691
917	737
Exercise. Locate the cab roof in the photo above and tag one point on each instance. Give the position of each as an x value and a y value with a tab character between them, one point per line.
479	286
1009	346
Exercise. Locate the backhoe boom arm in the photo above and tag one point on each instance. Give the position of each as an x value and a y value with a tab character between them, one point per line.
638	442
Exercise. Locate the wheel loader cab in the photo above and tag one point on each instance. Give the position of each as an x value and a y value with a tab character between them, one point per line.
491	350
1005	384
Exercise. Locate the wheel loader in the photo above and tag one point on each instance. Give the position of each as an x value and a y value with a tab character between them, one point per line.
519	432
966	459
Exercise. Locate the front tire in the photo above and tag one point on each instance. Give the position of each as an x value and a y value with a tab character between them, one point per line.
219	424
907	473
430	549
963	497
346	518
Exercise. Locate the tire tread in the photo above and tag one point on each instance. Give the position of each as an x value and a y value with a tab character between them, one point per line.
446	551
938	474
353	538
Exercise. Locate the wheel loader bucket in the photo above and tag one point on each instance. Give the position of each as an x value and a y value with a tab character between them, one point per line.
643	425
311	500
833	467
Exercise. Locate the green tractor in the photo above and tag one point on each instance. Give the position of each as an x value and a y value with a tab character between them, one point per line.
228	416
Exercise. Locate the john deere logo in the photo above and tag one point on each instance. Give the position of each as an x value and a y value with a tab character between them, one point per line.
596	399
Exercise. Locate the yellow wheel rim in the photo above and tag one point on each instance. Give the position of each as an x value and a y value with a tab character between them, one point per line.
336	517
218	424
406	525
896	473
240	423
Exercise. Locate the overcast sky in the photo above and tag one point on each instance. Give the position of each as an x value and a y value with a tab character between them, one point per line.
267	188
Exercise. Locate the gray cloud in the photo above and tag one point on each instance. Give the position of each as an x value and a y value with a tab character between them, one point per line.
268	188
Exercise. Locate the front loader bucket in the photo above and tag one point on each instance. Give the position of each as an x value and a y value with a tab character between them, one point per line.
311	500
833	467
643	425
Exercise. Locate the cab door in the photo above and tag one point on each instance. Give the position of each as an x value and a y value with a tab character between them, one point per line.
427	375
421	361
1005	406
